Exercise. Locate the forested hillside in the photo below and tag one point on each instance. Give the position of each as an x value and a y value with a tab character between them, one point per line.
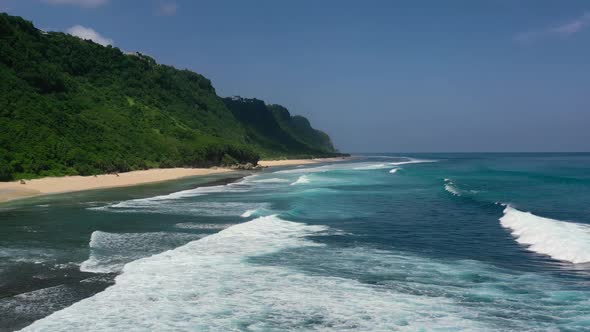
300	128
275	131
71	106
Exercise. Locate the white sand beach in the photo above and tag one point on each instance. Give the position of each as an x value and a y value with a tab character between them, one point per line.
54	185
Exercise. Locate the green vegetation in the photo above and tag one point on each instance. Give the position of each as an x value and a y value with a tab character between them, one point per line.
276	133
70	106
300	128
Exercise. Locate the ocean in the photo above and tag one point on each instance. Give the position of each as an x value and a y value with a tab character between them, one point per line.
381	242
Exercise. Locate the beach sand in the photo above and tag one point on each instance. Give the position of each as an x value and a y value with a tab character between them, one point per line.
293	162
54	185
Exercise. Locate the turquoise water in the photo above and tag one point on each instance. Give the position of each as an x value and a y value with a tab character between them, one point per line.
441	242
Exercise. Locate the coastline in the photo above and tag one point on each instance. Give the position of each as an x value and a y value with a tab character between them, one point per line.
294	162
10	191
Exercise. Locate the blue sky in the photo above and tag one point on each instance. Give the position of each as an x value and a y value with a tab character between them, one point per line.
398	76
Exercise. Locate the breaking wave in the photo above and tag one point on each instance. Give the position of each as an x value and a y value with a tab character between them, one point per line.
450	187
561	240
304	179
212	284
248	213
109	252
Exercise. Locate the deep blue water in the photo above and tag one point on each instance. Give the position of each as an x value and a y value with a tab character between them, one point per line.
442	242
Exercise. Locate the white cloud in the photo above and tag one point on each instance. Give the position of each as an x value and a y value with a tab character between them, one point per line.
574	26
81	3
566	29
88	33
167	9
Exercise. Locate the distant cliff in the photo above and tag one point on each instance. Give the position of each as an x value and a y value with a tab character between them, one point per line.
276	132
70	106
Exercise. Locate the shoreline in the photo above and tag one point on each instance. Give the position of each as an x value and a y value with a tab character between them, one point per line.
14	190
295	162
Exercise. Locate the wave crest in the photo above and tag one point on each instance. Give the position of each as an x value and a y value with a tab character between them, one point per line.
450	187
109	252
561	240
304	179
212	284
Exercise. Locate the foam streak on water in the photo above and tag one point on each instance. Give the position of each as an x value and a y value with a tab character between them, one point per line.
412	161
203	208
237	187
271	180
371	167
355	166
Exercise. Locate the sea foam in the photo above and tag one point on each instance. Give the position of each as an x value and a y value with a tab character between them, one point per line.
271	180
180	207
304	179
236	187
109	252
371	167
354	166
197	225
412	161
561	240
200	191
212	284
248	213
450	187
